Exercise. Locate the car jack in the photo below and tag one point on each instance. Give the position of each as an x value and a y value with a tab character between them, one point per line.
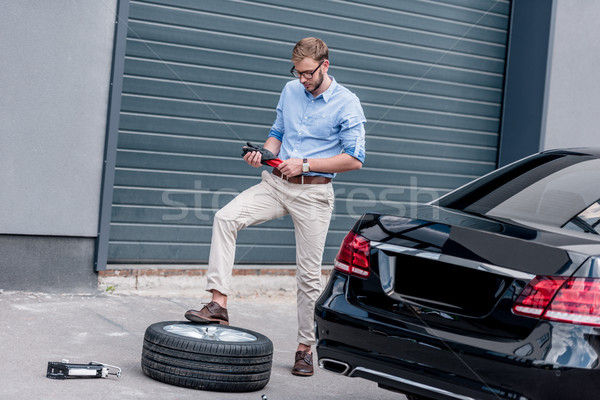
94	369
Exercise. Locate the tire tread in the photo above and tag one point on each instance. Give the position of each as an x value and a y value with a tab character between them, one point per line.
204	364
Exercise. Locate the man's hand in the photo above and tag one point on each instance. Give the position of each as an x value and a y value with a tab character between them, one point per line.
266	156
291	167
253	159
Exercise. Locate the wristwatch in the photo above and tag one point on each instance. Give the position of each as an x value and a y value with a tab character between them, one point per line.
305	166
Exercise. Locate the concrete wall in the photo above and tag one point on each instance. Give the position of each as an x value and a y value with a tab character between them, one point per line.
55	65
573	91
525	79
54	73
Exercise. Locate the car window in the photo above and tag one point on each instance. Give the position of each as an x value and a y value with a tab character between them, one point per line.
587	221
561	192
556	198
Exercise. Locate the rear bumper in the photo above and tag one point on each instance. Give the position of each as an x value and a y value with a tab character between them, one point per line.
331	358
358	343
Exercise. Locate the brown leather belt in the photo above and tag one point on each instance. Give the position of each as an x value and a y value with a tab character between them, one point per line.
301	179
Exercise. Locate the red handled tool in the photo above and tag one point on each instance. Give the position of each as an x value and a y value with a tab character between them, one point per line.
268	158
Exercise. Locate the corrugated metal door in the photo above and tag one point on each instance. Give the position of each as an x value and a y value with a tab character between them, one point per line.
203	77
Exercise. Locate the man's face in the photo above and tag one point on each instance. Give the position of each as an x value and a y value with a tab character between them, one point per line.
308	65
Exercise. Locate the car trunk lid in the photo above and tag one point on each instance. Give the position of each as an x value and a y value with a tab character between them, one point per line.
465	275
446	283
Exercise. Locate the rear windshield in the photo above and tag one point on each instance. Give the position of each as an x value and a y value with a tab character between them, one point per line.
558	190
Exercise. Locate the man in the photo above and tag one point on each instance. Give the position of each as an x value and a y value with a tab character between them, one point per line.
318	132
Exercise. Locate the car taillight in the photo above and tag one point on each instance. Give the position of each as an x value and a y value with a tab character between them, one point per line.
573	300
353	257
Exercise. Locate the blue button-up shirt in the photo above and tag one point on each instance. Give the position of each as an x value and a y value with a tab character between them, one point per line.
319	127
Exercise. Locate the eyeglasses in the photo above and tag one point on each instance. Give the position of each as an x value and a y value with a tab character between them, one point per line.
307	75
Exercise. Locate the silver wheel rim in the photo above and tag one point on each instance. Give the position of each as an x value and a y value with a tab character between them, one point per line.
210	332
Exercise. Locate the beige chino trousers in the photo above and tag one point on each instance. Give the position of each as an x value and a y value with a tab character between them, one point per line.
310	207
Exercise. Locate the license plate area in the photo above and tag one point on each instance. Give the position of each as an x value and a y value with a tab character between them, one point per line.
448	287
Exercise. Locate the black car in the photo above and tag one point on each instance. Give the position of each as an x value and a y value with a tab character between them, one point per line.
490	292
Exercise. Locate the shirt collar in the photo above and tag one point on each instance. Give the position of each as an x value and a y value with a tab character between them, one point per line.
326	94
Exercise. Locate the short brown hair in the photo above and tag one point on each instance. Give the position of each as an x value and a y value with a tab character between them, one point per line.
310	47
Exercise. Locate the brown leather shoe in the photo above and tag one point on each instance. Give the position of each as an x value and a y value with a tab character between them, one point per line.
212	312
304	364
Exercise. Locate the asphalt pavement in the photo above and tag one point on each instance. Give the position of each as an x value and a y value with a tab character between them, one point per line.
108	326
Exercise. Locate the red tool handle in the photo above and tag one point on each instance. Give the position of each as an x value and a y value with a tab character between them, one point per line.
274	163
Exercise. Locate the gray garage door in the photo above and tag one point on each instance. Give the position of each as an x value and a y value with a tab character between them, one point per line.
203	77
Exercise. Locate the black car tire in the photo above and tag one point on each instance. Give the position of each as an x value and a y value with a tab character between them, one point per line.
207	356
